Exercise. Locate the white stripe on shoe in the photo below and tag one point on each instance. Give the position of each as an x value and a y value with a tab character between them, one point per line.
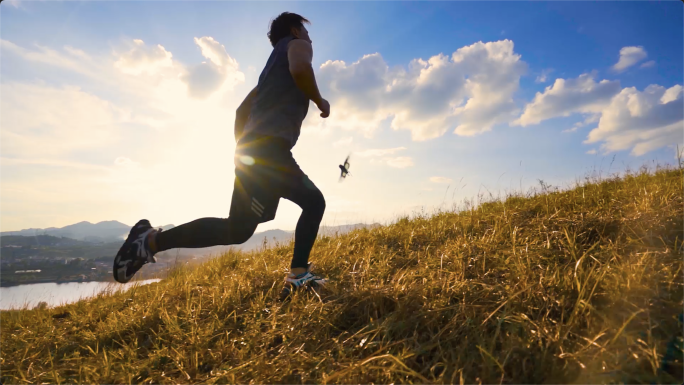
308	277
141	250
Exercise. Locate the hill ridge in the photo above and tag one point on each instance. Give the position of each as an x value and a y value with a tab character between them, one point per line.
555	287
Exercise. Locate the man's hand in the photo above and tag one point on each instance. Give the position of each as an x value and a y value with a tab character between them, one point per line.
324	106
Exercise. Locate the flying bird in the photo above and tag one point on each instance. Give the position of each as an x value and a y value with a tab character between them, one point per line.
344	169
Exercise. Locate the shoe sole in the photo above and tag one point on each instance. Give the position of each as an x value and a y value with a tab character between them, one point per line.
310	286
117	262
130	269
133	266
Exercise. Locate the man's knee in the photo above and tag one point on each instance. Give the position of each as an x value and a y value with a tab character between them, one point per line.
241	231
318	204
322	204
242	236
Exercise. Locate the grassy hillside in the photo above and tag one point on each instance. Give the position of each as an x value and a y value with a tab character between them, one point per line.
580	286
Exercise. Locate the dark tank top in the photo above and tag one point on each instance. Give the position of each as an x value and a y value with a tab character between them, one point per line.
279	107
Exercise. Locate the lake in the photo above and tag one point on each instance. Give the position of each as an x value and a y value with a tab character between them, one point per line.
55	294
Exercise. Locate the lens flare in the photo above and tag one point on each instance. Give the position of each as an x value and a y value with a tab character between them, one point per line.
247	160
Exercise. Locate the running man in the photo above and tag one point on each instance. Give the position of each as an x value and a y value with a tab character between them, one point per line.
267	126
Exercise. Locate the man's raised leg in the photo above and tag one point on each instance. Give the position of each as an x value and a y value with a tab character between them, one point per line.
144	242
206	232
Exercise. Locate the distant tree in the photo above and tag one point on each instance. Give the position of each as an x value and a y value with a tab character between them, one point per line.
76	261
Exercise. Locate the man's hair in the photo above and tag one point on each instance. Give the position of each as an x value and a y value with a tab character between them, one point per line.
281	25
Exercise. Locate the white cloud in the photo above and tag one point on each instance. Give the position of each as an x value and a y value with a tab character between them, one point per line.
147	73
14	3
627	118
40	120
648	64
590	119
51	163
565	97
629	56
55	135
400	162
543	76
343	142
591	152
221	70
440	179
215	51
380	156
671	94
469	92
143	59
124	162
641	120
379	152
72	61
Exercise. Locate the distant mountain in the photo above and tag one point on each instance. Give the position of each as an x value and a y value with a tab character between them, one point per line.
114	231
105	231
282	236
14	241
257	240
332	230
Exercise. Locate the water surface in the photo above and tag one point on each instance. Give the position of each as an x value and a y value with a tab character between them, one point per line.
55	294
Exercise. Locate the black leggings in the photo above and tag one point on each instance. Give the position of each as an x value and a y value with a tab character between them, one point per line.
237	229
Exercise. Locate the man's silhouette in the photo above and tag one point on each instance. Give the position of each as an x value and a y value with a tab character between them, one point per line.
267	126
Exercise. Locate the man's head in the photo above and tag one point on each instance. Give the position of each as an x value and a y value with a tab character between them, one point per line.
288	23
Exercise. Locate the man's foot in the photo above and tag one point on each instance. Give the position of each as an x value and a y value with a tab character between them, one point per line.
306	281
134	253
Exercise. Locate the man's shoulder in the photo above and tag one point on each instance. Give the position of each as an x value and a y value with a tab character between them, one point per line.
299	45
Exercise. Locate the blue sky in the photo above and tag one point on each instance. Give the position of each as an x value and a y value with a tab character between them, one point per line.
101	121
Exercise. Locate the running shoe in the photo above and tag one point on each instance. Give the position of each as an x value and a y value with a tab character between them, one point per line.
306	281
134	253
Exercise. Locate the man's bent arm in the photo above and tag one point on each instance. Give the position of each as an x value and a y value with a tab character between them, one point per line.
299	56
242	114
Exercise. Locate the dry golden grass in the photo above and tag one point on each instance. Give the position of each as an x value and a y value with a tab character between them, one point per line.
581	286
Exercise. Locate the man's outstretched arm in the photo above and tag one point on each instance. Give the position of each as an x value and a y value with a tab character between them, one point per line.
242	114
299	56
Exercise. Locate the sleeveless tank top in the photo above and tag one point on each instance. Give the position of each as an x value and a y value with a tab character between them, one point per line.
279	107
